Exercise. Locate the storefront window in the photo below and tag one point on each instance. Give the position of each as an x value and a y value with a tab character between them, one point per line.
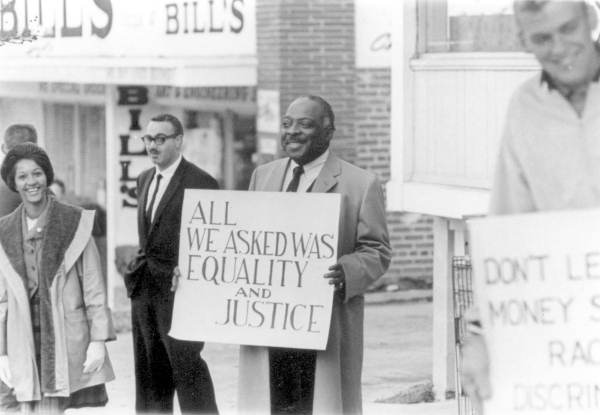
467	26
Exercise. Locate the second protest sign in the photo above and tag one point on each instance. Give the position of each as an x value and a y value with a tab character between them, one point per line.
252	266
537	285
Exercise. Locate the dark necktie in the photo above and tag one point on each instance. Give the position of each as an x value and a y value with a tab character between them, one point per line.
149	211
293	186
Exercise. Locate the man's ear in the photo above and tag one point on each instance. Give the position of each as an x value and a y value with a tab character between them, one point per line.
4	148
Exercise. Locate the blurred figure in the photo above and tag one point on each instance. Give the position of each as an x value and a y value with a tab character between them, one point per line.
549	154
15	134
54	320
58	188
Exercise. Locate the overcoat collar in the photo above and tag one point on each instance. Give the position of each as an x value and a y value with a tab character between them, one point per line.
324	182
327	178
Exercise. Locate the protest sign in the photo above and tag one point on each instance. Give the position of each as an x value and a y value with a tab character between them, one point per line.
252	266
537	285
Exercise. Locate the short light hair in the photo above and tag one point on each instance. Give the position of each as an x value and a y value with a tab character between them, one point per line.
18	134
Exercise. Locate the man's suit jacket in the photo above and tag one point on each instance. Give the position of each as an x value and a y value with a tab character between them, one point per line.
364	253
159	245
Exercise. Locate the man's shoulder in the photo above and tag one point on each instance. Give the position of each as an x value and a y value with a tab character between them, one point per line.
354	173
272	164
146	173
266	169
196	175
528	94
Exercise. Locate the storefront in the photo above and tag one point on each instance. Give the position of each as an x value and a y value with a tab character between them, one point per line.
100	70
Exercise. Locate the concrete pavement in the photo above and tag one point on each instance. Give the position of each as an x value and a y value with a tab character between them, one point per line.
397	356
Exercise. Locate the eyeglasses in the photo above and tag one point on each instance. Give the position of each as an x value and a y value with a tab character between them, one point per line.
159	139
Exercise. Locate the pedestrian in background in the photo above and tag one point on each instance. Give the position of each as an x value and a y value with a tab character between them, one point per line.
54	319
283	380
15	134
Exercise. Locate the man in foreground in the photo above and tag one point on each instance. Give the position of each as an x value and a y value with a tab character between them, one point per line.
305	381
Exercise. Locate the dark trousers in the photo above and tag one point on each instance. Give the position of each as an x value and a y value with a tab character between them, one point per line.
292	375
164	364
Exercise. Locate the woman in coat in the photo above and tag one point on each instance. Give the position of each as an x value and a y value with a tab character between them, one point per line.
54	320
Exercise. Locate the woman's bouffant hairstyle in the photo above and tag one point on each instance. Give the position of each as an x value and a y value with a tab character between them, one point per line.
22	151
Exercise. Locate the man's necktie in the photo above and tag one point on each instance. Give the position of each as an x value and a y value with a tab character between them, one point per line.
293	186
151	207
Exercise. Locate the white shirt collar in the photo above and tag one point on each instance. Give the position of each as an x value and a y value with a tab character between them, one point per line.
318	162
169	171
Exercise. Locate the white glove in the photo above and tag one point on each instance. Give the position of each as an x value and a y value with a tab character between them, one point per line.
94	358
5	375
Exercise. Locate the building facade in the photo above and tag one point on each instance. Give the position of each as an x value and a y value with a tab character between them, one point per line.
99	70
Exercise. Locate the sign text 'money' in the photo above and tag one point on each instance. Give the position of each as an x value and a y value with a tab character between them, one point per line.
537	285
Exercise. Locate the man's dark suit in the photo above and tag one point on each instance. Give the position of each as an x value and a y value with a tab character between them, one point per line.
162	363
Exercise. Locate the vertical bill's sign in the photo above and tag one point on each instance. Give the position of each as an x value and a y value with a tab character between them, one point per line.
252	266
537	285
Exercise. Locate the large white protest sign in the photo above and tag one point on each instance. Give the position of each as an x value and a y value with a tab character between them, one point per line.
537	284
252	266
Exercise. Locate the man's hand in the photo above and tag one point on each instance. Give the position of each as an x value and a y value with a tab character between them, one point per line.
175	279
5	375
475	374
336	276
94	359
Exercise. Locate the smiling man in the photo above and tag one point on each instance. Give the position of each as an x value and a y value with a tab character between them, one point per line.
164	364
302	381
549	156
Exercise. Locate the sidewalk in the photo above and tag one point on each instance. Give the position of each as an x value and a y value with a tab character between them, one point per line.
397	356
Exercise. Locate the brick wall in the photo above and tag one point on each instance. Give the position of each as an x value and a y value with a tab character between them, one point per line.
411	235
307	46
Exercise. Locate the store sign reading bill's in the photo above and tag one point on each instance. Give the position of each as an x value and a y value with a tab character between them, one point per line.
135	28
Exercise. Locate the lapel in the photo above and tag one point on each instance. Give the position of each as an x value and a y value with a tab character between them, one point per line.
142	200
11	238
327	178
276	177
174	185
61	225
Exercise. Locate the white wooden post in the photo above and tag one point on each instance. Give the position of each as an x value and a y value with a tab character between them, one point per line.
443	317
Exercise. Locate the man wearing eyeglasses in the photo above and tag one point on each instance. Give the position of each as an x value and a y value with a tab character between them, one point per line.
164	364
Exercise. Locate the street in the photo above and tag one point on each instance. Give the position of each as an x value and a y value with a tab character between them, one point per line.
398	339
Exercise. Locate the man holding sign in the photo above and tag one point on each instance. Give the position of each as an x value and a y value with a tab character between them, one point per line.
549	153
328	381
163	364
